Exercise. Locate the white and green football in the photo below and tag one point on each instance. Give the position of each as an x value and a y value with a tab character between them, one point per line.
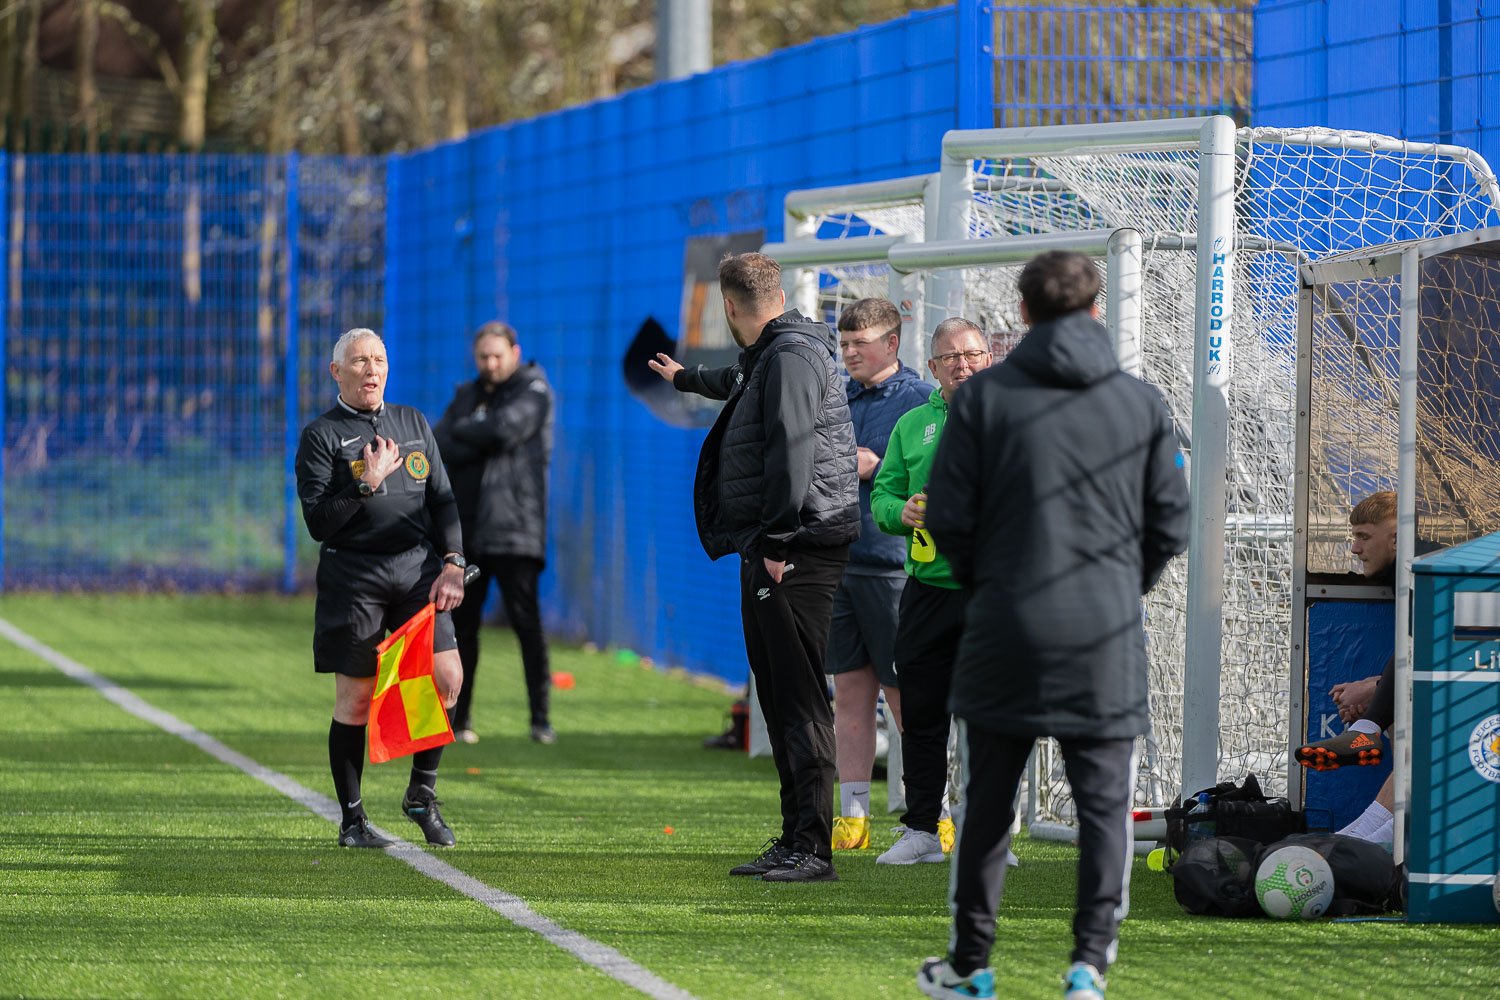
1294	883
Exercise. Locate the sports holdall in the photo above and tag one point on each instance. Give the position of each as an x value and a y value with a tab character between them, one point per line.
1230	810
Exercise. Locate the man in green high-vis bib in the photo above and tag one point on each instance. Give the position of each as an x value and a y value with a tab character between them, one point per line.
932	604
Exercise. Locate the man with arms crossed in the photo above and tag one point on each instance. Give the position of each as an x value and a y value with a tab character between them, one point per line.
496	438
375	495
1058	496
776	485
932	604
861	655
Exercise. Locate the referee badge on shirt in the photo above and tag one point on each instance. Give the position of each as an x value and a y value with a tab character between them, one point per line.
358	468
417	466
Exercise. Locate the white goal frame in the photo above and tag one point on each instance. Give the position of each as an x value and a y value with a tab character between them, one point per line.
1217	142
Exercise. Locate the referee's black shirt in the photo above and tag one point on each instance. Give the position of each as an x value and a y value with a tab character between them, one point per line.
413	503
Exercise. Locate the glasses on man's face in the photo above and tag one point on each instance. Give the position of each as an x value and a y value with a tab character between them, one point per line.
951	359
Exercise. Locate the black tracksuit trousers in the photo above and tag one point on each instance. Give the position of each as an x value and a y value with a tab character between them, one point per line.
927	638
786	641
1101	774
517	577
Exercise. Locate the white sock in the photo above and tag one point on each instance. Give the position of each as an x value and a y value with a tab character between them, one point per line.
854	798
1385	834
1364	726
1369	822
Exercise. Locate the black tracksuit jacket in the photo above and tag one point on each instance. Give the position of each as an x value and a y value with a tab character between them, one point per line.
497	442
778	469
1058	496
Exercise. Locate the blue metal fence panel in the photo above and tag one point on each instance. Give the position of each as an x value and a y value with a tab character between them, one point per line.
577	230
1060	64
1416	69
145	413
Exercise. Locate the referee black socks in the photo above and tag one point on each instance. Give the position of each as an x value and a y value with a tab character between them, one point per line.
424	767
346	759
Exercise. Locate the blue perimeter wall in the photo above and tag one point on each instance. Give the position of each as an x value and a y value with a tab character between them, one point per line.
1418	69
573	226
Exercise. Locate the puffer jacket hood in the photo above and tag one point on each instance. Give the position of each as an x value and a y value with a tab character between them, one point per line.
791	322
1072	350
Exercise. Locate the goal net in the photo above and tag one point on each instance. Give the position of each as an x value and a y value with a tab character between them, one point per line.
1297	196
835	245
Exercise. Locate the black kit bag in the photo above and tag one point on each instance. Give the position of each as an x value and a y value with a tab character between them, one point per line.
1366	880
1216	877
1241	811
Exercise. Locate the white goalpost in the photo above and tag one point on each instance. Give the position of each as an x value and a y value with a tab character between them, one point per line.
1200	230
1226	218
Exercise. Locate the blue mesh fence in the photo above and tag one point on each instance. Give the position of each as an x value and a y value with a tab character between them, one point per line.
1061	64
167	320
147	327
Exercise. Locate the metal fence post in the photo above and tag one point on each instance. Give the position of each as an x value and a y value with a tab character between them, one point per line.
5	210
291	380
976	64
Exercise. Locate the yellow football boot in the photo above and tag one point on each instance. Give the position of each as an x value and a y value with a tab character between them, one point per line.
851	833
947	834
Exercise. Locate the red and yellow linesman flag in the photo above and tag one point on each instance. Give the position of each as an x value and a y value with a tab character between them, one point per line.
406	713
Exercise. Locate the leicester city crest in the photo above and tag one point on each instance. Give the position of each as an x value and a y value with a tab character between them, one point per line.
417	466
1484	748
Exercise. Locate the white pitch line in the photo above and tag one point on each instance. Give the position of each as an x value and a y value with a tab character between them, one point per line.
514	909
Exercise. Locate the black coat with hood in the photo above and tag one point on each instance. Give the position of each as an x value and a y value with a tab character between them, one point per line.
778	469
1058	496
497	444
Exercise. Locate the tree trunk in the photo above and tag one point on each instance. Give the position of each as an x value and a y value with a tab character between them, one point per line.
197	46
280	139
458	68
23	17
87	12
348	80
421	95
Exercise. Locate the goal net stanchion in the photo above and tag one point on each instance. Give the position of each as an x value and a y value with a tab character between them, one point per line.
1230	215
1213	139
819	279
1400	376
987	270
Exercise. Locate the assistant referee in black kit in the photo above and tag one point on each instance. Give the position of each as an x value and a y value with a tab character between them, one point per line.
375	495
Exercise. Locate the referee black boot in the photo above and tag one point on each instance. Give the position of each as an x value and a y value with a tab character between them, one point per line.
422	809
359	834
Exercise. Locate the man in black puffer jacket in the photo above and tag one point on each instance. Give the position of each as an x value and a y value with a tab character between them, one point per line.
777	484
1058	496
496	440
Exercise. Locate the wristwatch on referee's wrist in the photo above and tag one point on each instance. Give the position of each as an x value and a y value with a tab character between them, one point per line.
454	559
365	489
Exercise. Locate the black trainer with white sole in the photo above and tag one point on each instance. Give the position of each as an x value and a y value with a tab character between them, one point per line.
422	809
359	834
802	867
773	855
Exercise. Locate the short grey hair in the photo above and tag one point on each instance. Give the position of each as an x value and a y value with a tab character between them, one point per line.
341	349
952	327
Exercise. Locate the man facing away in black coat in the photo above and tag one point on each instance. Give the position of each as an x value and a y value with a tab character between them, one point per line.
1058	495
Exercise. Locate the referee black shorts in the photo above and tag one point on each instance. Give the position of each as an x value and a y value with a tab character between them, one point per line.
363	596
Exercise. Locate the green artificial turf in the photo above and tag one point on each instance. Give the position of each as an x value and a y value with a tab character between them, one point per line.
132	864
